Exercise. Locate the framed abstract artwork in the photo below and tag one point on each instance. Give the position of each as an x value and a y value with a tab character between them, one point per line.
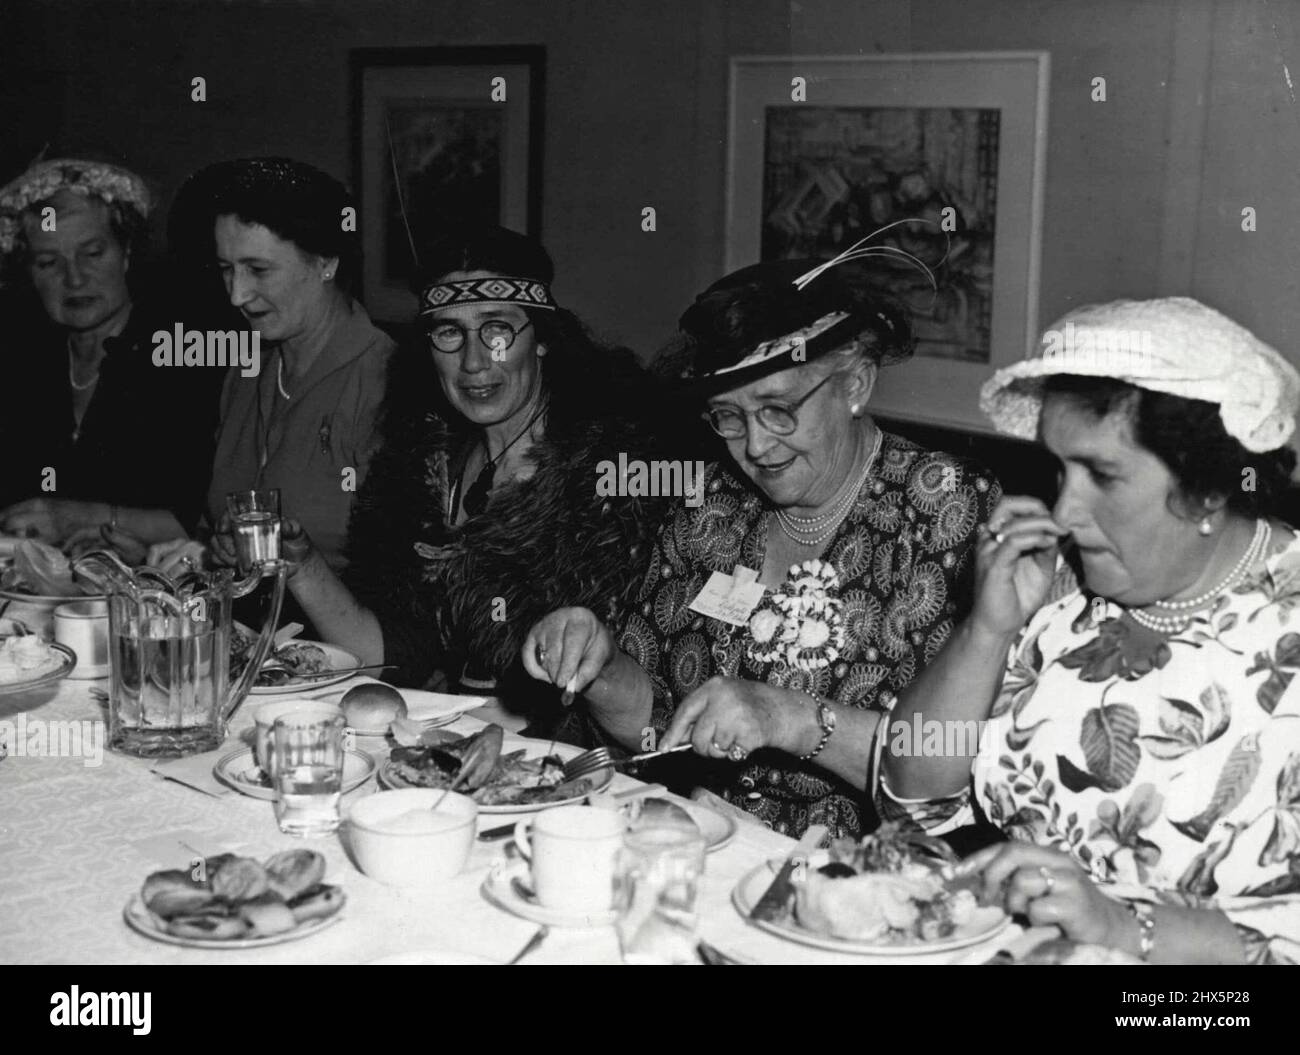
441	135
824	151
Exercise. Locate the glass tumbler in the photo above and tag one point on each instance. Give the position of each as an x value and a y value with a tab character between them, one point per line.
255	521
656	879
307	771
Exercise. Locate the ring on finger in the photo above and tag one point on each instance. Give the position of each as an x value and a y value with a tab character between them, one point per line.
541	654
737	753
1048	878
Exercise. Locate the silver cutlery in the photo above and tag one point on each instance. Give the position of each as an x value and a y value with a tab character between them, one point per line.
532	944
776	898
600	757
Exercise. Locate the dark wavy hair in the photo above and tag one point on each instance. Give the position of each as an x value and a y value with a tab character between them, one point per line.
1188	436
294	200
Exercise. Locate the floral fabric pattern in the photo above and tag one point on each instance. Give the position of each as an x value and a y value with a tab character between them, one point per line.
851	627
1168	767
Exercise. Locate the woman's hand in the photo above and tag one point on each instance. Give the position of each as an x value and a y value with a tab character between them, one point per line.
1015	563
570	647
1050	888
177	556
731	718
51	520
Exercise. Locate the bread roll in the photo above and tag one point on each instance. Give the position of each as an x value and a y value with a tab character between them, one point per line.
267	915
294	871
372	707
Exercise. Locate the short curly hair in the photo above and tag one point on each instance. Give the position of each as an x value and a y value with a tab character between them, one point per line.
1188	436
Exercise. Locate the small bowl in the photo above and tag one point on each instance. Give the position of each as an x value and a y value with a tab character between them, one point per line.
412	858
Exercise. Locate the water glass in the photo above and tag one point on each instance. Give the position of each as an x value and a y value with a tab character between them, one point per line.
307	771
657	875
255	521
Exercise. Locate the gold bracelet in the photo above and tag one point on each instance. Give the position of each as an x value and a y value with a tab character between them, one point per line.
1146	921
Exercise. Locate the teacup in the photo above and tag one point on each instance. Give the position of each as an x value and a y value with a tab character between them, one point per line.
83	627
572	851
264	722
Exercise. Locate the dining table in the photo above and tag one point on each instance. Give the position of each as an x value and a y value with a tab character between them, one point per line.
78	836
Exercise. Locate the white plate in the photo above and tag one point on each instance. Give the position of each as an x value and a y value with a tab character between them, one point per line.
233	769
986	923
536	749
142	921
336	658
432	709
718	830
67	660
499	890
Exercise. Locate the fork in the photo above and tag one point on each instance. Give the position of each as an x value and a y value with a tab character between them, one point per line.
532	944
599	758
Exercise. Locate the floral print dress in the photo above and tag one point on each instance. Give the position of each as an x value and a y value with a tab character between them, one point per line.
1167	766
852	627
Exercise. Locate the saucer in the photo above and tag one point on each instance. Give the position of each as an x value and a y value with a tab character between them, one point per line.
502	888
237	770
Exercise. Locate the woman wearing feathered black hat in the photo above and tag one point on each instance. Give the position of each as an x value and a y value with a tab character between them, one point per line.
822	571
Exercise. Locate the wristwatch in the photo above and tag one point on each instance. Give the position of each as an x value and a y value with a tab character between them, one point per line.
826	719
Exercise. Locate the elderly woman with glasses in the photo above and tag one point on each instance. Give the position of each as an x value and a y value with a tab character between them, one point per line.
482	511
1130	658
822	570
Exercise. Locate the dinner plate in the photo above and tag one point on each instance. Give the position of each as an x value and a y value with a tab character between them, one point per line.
986	922
535	748
142	921
499	890
234	768
336	658
717	829
67	660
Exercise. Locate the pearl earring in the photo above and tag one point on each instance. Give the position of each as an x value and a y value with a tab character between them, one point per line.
1206	528
854	409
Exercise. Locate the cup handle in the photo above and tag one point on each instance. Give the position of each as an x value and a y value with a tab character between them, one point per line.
522	842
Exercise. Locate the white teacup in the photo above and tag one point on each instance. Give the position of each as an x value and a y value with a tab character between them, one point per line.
264	722
572	850
83	627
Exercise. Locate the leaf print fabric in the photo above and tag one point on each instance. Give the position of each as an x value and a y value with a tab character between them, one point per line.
1168	763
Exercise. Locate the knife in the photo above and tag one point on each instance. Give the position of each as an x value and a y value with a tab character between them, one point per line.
488	835
772	905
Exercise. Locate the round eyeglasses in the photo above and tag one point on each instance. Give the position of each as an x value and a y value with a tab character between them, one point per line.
781	419
496	334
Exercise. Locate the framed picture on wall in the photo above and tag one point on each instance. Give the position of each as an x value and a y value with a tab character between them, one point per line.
824	151
440	135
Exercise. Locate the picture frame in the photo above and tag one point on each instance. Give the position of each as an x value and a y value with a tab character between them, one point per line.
462	129
823	150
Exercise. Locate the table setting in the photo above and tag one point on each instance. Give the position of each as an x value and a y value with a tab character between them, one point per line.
333	818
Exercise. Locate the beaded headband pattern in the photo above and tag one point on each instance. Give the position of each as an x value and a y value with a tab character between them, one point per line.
526	292
42	181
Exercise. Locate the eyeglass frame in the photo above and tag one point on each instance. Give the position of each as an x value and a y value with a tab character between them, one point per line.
477	331
791	409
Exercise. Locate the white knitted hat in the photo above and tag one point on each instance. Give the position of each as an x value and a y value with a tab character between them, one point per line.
1175	345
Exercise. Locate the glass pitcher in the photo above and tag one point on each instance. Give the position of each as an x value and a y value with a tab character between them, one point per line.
169	646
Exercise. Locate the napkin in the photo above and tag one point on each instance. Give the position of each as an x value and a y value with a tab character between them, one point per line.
195	772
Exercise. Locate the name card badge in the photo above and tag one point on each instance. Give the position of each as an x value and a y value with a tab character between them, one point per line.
731	598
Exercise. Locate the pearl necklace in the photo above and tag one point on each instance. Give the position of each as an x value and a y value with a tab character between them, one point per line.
279	377
1175	624
813	531
72	380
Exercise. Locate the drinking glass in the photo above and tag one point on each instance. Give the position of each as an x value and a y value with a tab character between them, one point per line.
307	770
255	520
655	882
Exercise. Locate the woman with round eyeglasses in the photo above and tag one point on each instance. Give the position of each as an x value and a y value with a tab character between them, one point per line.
481	512
822	570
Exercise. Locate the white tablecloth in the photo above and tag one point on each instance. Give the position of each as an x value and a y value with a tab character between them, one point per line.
77	841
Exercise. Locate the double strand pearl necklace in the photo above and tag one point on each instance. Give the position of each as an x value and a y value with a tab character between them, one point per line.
1178	622
813	531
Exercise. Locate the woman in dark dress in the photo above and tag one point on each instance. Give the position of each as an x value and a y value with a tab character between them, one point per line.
823	570
93	433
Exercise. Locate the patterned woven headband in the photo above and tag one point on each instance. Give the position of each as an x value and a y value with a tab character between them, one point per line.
526	292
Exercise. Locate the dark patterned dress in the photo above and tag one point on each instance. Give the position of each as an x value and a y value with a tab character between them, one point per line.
904	559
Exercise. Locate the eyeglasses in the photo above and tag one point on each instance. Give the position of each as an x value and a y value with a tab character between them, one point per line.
777	418
496	334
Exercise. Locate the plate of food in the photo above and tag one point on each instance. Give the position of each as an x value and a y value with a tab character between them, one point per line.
517	775
285	668
884	895
238	770
28	662
237	902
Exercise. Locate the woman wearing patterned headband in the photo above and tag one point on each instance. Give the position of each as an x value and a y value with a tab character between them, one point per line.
306	423
1131	654
88	409
483	511
822	571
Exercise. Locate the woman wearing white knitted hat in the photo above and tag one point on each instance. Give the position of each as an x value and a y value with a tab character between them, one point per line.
1131	648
